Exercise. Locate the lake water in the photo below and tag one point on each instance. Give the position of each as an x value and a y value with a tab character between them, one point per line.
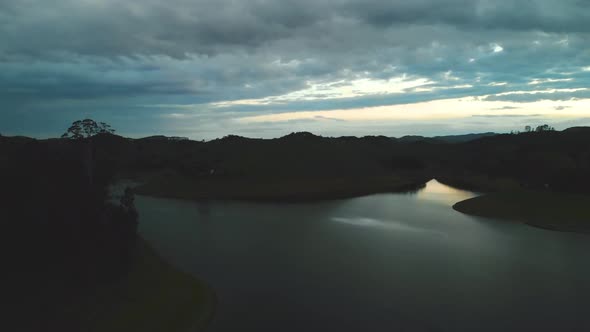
388	262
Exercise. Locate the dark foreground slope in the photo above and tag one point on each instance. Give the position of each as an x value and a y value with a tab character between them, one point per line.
151	296
72	257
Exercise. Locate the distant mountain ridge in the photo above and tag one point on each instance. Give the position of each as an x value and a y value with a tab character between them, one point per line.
559	160
445	139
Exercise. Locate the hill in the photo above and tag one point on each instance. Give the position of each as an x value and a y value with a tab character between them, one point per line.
233	166
445	139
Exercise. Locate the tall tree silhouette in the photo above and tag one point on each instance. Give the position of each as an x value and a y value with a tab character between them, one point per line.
87	128
544	127
83	130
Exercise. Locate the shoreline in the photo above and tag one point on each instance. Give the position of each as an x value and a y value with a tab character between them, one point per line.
519	205
154	295
536	209
304	190
478	182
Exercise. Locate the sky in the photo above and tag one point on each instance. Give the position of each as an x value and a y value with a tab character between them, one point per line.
259	68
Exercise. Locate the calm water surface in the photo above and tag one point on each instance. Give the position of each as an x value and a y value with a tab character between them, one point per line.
390	262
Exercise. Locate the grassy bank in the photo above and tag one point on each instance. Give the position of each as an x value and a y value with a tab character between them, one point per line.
554	211
155	296
277	189
152	297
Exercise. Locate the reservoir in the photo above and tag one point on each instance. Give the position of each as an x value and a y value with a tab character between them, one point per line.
387	262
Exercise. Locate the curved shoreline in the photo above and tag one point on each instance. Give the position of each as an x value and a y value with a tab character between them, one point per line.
545	210
278	190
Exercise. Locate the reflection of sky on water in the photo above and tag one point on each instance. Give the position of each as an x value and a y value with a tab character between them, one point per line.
406	216
385	224
369	263
436	191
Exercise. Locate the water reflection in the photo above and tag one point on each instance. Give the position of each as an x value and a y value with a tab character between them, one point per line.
438	192
392	225
374	263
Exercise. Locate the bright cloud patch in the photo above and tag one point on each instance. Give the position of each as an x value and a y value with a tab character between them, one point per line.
459	108
339	89
549	80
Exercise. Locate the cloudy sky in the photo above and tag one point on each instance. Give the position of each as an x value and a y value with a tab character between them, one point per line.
262	68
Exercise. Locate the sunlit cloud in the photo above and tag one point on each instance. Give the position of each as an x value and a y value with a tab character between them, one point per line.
535	92
549	80
496	48
440	109
339	89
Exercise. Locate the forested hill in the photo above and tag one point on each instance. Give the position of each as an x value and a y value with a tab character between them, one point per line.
557	159
447	138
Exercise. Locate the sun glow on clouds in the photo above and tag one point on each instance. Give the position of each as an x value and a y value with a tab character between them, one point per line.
341	89
497	48
535	92
453	108
549	80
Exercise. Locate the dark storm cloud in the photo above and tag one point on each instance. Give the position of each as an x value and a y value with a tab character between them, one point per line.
542	15
113	58
178	27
